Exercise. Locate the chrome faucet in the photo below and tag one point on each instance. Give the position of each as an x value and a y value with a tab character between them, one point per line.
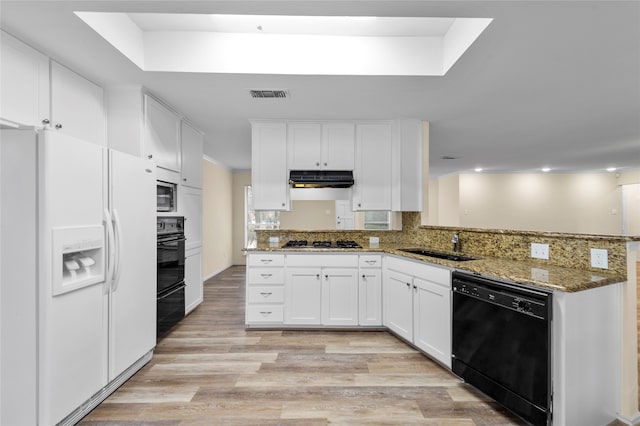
455	240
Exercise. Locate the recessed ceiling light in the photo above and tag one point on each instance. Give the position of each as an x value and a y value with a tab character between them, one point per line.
611	169
478	169
545	169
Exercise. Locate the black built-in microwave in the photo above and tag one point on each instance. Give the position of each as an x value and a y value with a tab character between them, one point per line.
167	196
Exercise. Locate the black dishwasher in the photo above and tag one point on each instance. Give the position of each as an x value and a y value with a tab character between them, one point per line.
501	343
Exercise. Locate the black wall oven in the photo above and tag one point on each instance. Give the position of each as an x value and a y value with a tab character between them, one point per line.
501	343
171	285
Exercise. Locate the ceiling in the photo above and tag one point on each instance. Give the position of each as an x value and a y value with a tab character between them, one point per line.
553	84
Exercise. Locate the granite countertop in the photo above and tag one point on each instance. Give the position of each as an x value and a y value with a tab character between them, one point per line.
533	273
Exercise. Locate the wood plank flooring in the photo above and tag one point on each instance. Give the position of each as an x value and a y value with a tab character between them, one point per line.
209	370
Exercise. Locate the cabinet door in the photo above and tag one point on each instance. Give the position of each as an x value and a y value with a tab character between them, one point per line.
269	176
190	202
372	172
191	170
407	185
398	303
162	134
303	289
193	293
339	296
24	78
338	146
432	324
77	105
304	141
370	297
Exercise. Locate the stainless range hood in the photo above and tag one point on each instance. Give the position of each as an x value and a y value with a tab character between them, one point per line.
321	178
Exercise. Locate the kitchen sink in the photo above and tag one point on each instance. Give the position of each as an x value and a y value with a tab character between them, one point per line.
439	255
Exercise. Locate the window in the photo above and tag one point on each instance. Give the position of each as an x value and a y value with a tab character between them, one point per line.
377	220
262	219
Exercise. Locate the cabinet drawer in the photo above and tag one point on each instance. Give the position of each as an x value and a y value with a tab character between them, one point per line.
265	313
266	259
370	261
322	260
266	276
265	294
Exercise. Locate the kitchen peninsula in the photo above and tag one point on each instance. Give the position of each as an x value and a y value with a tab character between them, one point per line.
343	287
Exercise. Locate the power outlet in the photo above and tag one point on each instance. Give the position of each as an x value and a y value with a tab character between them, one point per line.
539	251
599	259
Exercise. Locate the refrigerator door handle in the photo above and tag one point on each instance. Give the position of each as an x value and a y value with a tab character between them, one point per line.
118	238
111	247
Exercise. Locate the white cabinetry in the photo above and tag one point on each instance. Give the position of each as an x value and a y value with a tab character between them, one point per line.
320	146
265	289
162	134
303	292
321	289
193	294
407	166
39	92
77	105
192	149
418	306
370	290
269	177
24	78
372	172
339	296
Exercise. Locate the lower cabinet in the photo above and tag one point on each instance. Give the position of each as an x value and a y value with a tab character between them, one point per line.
418	306
265	289
370	290
339	296
303	296
193	293
321	290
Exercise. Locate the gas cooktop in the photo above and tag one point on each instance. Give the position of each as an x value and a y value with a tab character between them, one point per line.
321	244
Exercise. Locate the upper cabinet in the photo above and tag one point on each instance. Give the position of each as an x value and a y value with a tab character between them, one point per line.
192	150
386	158
162	134
37	92
77	105
269	175
372	172
320	146
144	126
24	78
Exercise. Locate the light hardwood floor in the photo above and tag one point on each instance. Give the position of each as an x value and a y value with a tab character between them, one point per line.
209	370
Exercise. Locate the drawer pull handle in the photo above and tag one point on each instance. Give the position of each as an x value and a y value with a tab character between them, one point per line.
370	262
265	294
265	313
266	275
266	260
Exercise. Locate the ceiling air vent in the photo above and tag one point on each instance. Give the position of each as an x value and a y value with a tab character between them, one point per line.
269	93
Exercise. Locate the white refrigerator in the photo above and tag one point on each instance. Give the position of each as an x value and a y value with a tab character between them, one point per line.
78	270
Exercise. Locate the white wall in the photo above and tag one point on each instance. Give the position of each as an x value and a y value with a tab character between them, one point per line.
217	216
240	180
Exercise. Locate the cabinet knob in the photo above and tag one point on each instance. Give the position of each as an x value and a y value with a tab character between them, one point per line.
325	164
415	287
184	179
317	164
282	204
150	156
359	204
58	126
408	285
46	121
364	277
317	276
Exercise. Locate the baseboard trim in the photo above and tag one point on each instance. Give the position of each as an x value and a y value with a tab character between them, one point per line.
631	422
